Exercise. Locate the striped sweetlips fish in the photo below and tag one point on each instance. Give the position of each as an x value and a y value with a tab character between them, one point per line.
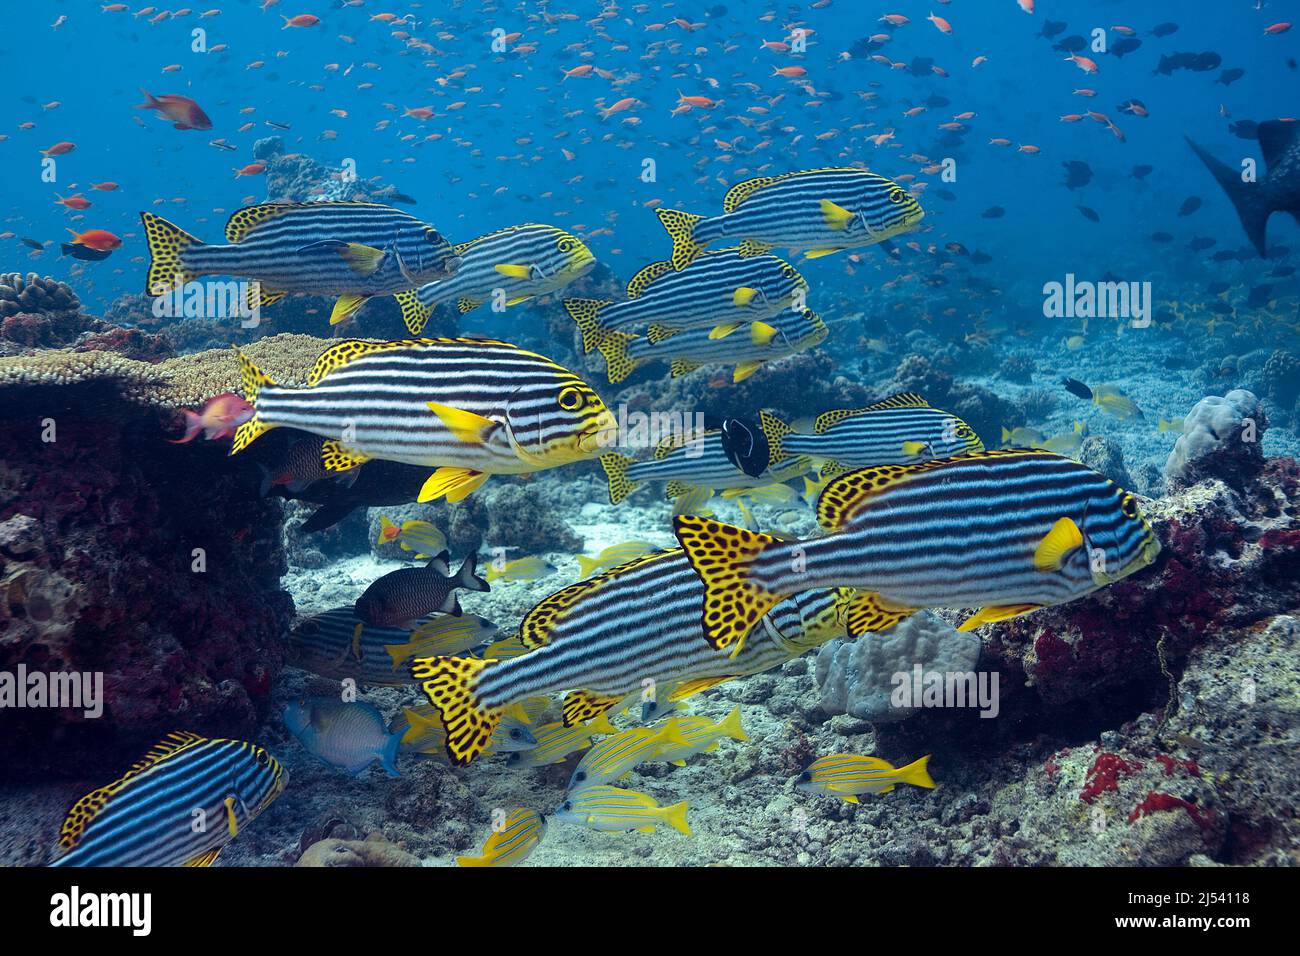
1005	531
782	335
815	211
522	261
179	805
720	291
699	461
469	408
612	636
353	250
899	430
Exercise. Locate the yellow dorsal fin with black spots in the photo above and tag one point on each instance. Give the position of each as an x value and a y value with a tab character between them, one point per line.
842	497
581	706
336	356
901	400
869	612
535	628
641	281
658	333
738	193
92	804
243	221
742	191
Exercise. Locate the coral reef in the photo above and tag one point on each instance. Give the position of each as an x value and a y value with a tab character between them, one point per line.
1218	433
858	677
374	850
152	565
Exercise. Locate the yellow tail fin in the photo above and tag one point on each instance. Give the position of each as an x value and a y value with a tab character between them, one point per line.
414	312
916	774
775	430
675	817
586	313
167	245
722	556
681	228
731	726
620	486
586	565
253	379
449	684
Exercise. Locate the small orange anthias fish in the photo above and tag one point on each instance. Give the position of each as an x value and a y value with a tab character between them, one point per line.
181	110
101	240
218	418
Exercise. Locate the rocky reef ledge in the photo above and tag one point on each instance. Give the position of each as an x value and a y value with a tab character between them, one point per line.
154	565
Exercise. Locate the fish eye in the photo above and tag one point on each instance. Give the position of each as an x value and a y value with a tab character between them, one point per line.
567	806
433	237
514	733
804	777
580	776
1128	506
571	399
263	758
896	194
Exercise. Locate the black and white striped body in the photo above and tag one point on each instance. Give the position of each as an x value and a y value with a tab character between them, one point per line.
787	212
329	644
704	463
378	404
551	256
886	436
298	248
796	332
641	622
963	532
703	295
177	809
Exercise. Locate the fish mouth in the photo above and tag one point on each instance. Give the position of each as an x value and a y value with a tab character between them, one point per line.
601	433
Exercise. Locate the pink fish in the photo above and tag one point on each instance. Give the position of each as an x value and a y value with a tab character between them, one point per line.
219	418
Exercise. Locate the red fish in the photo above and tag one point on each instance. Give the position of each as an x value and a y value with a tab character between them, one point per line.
181	110
101	240
218	418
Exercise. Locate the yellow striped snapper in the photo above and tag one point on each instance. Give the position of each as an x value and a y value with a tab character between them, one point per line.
700	735
898	430
614	555
520	569
700	462
615	756
814	211
720	291
421	537
347	735
613	810
354	250
470	408
601	639
1046	530
443	634
521	261
556	741
178	806
511	842
847	775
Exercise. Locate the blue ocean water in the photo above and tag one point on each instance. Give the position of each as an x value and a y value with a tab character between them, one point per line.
499	157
